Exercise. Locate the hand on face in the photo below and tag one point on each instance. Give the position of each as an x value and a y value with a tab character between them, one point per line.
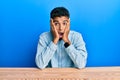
54	32
66	32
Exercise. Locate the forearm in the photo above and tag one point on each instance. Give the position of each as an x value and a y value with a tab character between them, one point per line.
44	55
77	56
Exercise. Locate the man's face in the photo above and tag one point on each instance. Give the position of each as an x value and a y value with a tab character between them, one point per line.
60	24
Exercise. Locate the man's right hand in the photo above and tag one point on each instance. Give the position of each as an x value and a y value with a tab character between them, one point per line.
54	32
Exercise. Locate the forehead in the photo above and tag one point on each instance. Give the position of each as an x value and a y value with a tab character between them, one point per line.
60	19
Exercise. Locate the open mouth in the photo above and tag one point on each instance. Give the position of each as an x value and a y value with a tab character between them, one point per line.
60	35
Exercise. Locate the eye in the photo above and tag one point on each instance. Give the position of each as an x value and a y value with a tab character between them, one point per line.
56	24
64	23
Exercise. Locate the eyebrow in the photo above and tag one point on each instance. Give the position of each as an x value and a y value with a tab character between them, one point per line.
55	21
65	20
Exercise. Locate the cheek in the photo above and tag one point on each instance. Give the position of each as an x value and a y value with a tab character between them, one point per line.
57	29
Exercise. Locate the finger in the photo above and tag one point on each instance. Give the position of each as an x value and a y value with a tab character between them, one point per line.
52	23
51	28
68	25
51	20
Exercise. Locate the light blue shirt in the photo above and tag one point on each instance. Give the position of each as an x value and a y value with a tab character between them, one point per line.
56	55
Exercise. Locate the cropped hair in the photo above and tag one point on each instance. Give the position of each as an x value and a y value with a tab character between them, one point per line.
58	12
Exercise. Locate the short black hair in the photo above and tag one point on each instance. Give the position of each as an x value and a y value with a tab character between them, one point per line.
58	12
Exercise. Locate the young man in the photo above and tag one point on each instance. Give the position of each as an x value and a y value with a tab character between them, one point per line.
61	47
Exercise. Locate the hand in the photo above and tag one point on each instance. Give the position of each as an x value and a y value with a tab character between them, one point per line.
54	32
66	33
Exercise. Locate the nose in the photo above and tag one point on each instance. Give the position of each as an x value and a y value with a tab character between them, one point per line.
61	27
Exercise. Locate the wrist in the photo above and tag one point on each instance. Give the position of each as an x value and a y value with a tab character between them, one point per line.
55	41
66	44
67	41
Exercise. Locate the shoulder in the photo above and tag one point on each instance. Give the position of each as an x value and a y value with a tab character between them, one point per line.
76	37
75	33
45	35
